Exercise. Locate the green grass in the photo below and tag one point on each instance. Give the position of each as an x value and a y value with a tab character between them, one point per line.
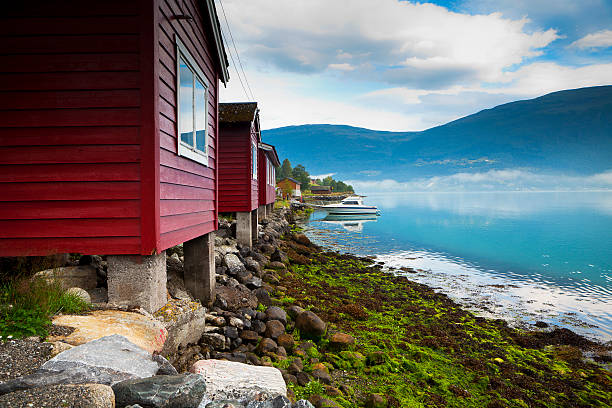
28	304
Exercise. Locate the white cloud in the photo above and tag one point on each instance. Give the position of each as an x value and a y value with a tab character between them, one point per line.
400	38
492	180
388	64
321	176
342	67
600	39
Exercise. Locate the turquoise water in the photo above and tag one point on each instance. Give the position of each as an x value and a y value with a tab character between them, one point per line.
544	256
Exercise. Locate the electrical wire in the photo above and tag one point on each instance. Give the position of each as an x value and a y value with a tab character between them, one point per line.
238	57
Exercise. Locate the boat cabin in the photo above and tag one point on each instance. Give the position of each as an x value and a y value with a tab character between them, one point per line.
239	138
268	162
108	137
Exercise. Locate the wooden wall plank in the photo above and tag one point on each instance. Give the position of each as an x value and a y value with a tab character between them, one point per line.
68	209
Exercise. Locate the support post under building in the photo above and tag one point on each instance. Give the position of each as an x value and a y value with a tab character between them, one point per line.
199	267
137	281
244	228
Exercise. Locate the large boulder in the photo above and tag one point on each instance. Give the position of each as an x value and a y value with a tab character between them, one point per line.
82	276
227	380
75	396
107	360
141	330
274	328
184	321
162	391
310	324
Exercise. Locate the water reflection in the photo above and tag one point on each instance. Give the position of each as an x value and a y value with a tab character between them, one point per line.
550	251
350	222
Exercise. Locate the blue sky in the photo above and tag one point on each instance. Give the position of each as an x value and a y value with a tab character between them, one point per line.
404	65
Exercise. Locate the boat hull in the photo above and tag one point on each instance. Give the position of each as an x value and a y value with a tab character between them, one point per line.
345	210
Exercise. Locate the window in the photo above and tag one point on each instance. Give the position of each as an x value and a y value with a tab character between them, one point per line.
192	89
254	160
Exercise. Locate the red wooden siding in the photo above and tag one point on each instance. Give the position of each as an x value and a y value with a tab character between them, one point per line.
267	194
70	138
187	189
237	189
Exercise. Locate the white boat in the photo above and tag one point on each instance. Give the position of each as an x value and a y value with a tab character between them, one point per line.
350	205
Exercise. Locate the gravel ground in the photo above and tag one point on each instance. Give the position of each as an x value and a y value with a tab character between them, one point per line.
57	396
22	357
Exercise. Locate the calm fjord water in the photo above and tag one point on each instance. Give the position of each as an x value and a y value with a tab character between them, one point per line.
544	256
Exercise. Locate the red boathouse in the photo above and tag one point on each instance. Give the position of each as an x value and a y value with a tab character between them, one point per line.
239	137
268	161
108	136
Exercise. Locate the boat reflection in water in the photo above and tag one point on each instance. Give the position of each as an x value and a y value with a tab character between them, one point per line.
350	222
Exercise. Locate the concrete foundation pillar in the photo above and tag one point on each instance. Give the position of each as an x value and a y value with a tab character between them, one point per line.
254	223
270	209
262	212
244	229
137	281
200	268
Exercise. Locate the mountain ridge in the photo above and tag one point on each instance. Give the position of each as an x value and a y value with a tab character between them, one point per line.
566	131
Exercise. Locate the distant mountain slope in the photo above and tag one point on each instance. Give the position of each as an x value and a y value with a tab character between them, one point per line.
567	131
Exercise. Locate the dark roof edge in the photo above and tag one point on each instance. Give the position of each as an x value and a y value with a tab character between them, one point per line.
216	27
292	179
270	152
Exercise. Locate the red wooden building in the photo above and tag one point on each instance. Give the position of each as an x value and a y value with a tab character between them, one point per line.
108	125
239	137
267	162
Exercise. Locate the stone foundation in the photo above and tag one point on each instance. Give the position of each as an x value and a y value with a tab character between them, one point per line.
137	281
199	269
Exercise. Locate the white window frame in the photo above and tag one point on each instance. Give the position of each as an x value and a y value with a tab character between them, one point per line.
254	153
184	149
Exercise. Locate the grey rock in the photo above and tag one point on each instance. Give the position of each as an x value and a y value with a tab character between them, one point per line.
215	340
170	391
303	404
310	324
253	265
276	313
224	404
231	332
254	283
278	402
274	328
258	326
236	322
294	311
233	264
82	276
184	328
231	380
81	293
263	296
68	395
114	354
165	368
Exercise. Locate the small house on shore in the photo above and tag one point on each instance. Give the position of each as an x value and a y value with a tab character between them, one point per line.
239	138
321	189
290	187
268	161
109	138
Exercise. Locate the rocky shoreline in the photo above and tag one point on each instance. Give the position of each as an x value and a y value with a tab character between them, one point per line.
296	326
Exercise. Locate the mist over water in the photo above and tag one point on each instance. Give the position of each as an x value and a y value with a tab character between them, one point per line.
525	256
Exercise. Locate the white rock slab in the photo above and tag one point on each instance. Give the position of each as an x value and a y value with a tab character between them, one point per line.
228	380
115	354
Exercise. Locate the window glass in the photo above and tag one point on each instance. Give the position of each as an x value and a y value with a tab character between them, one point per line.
186	103
200	116
254	156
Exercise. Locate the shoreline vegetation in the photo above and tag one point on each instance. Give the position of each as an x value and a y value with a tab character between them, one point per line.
414	347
